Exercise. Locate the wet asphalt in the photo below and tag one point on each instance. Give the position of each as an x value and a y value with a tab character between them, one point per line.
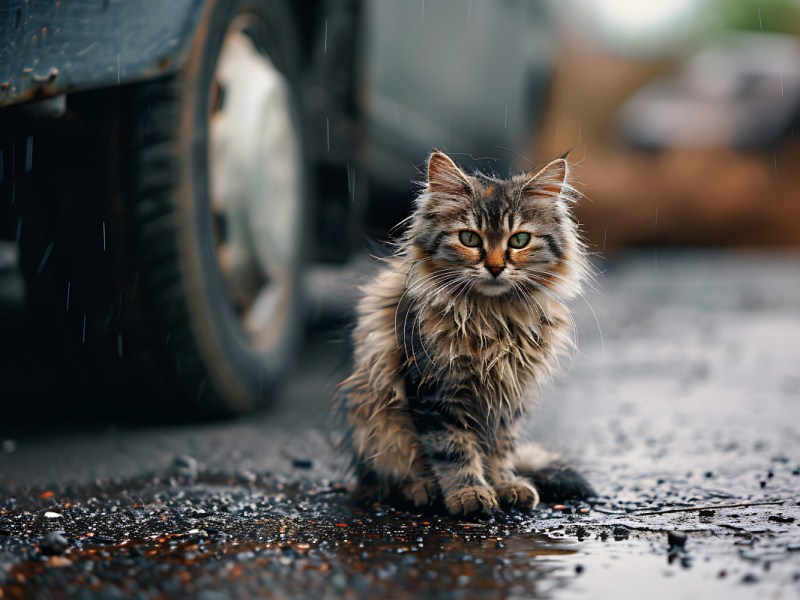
682	407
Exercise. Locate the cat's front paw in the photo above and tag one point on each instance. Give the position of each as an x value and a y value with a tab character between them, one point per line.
517	493
421	492
475	499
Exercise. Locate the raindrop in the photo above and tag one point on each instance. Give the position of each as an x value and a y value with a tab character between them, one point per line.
656	223
328	131
325	43
104	236
19	228
45	257
469	9
166	342
29	154
69	288
119	344
83	335
117	69
505	119
760	24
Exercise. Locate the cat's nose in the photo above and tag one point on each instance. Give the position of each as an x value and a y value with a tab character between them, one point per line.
495	270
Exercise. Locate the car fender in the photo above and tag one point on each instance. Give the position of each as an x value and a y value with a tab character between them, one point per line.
58	47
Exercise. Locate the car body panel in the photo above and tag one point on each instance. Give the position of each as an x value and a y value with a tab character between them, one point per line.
52	47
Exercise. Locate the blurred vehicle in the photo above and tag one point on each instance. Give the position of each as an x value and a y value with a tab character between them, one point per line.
741	91
168	171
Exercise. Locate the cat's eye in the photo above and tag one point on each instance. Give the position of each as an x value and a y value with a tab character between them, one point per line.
469	239
519	240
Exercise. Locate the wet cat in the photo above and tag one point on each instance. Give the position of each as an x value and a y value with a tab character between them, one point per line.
456	333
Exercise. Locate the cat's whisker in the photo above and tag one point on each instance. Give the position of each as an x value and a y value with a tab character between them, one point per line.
588	304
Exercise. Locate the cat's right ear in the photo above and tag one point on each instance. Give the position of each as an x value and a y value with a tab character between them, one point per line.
444	176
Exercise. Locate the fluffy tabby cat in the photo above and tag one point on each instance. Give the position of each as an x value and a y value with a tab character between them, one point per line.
456	333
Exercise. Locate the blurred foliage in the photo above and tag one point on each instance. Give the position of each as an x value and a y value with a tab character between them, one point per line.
780	16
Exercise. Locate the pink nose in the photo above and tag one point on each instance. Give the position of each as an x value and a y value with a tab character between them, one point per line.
495	270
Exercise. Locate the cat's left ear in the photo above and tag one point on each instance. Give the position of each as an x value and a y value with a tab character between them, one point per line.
549	181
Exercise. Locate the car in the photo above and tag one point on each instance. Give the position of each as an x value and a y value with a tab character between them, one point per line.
167	173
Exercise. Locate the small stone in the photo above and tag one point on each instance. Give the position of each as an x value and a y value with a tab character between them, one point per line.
185	466
579	569
53	543
749	578
302	463
58	561
676	539
706	512
781	519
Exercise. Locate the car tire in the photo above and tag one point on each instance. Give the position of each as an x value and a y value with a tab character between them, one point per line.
161	309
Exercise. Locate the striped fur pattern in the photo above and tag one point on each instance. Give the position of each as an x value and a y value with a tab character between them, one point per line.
455	334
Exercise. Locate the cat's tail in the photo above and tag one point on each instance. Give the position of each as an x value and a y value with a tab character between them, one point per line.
551	474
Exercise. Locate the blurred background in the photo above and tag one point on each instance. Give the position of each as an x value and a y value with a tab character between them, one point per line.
680	115
184	195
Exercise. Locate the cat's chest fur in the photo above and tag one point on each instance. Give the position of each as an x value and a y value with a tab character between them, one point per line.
498	348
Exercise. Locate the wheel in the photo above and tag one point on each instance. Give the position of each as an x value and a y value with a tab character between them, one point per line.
203	214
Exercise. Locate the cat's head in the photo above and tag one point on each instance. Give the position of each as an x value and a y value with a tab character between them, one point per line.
497	237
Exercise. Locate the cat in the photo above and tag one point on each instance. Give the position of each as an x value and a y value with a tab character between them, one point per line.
454	336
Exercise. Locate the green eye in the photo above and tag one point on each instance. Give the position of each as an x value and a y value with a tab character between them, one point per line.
469	239
519	240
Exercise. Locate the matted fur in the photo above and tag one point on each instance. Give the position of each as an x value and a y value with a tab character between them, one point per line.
452	341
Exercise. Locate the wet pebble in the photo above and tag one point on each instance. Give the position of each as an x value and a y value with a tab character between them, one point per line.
781	519
676	538
185	466
53	543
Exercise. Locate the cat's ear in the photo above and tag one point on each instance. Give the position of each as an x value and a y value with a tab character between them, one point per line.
549	181
444	176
